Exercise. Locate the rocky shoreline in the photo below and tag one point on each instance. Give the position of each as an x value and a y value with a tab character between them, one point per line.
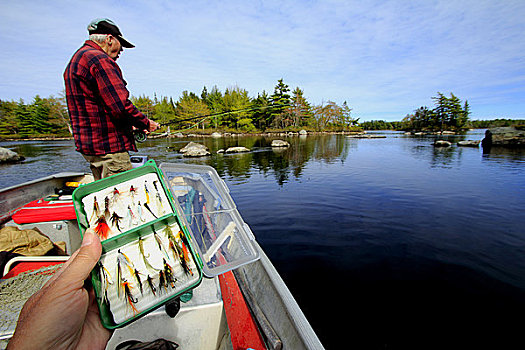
213	134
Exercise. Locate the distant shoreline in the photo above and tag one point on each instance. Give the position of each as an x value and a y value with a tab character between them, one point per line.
180	135
235	134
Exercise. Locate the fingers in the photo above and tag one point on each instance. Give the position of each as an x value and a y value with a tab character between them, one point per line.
86	258
153	126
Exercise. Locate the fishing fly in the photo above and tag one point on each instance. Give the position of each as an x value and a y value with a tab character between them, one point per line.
162	281
151	286
149	209
147	193
137	276
168	274
107	214
115	220
185	258
140	213
131	218
132	193
160	244
102	229
129	297
105	281
177	250
96	210
143	254
158	197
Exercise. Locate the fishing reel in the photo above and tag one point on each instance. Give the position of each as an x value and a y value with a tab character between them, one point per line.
139	135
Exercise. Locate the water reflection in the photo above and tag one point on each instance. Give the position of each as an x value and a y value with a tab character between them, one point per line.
504	155
284	164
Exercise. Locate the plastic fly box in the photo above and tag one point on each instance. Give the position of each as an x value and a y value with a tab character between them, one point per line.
147	250
223	240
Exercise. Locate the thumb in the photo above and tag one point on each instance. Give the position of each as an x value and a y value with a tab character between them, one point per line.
85	260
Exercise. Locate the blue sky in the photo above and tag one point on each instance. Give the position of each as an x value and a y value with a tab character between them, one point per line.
385	58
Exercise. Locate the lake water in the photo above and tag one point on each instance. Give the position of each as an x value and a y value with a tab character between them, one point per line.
385	243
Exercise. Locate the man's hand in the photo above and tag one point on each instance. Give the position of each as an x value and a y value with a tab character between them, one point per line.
63	314
153	126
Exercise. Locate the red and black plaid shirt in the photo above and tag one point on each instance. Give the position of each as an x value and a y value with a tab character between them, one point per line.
98	102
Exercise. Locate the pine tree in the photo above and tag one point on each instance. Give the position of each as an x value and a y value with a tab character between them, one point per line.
280	104
300	109
261	113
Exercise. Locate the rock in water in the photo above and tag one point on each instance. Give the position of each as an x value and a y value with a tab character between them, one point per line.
507	136
8	156
193	149
239	149
280	143
442	143
469	143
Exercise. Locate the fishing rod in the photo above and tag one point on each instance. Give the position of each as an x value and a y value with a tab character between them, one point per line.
140	135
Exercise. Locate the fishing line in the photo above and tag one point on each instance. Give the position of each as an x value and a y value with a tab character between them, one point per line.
140	135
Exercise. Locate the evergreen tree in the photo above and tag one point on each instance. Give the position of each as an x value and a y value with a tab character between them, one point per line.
215	104
164	111
237	100
300	109
280	105
189	106
39	111
261	113
346	119
145	105
8	118
24	120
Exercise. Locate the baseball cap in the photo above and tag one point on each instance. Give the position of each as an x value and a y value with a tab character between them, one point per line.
107	26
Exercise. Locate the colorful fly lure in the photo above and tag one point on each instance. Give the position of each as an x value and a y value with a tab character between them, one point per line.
140	213
129	297
147	193
102	229
160	244
105	281
143	254
151	286
137	276
115	220
185	258
132	193
162	281
158	198
116	195
96	210
149	209
131	218
123	260
177	250
107	214
168	273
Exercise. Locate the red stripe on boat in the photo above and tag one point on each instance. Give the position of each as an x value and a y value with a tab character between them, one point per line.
243	329
42	211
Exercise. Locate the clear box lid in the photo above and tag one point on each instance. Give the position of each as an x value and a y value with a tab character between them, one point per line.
223	240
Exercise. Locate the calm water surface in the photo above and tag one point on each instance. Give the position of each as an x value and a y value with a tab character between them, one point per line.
385	243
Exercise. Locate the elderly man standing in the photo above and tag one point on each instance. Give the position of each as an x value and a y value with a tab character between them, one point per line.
102	116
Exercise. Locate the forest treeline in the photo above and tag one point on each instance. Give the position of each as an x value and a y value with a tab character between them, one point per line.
472	124
234	110
231	110
449	113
